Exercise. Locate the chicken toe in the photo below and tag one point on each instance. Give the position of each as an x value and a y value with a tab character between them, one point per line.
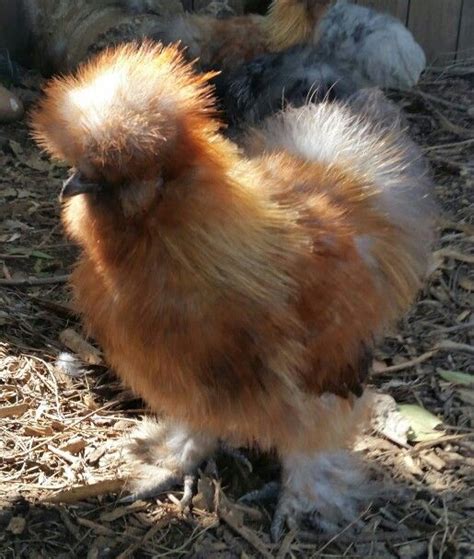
270	491
162	454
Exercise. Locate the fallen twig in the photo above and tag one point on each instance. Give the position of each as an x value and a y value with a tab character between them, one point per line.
455	328
435	442
76	343
444	345
161	523
439	100
407	364
244	532
448	345
286	544
451	127
67	456
450	145
456	165
455	254
97	528
31	282
62	309
343	531
82	492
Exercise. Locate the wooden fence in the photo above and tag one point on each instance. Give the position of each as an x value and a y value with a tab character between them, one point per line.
445	28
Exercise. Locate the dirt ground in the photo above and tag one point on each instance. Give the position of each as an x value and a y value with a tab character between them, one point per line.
61	467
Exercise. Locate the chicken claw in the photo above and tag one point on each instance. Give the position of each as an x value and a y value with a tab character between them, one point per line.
268	492
163	454
326	490
236	454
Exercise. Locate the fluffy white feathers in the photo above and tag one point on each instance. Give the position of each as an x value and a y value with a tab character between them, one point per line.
379	48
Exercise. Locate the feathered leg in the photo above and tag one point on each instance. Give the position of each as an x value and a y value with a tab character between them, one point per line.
326	486
326	490
163	454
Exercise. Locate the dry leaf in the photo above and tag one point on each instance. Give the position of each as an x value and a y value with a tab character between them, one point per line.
38	431
34	162
9	192
4	318
15	147
467	396
74	446
57	425
422	423
456	377
411	465
463	316
90	403
98	528
466	283
16	525
95	454
14	410
119	512
412	550
434	461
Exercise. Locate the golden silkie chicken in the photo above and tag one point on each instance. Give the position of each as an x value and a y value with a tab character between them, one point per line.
239	294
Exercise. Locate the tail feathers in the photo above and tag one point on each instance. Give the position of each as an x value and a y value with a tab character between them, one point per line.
387	196
122	110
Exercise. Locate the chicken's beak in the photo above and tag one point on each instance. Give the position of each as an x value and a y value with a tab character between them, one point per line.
76	184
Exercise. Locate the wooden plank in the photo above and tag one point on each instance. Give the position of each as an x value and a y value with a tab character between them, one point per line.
435	25
466	32
398	8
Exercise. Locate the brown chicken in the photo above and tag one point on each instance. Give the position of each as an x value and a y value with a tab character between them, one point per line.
225	43
239	295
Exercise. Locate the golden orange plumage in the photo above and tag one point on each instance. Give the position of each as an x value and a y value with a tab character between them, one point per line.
292	22
240	296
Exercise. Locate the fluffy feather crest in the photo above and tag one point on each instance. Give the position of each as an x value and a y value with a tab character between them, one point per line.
119	115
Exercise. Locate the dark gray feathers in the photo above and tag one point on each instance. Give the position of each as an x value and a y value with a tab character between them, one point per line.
266	85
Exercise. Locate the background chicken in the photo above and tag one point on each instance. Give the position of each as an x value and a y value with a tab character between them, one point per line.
264	86
375	49
354	47
225	43
240	296
378	48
